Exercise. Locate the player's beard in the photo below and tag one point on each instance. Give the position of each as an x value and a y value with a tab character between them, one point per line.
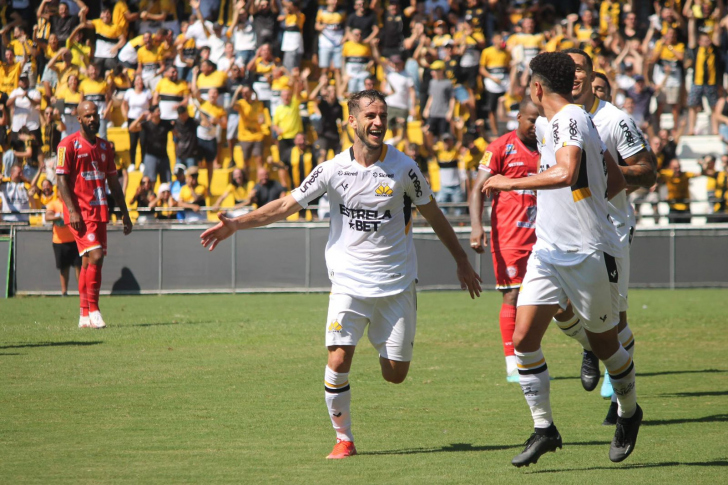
361	133
91	129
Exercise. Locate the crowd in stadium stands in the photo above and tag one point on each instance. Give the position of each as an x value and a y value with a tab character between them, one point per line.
227	104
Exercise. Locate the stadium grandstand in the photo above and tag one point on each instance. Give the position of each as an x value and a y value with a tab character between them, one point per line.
250	94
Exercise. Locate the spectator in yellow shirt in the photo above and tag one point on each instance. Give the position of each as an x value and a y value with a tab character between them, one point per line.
254	119
287	122
678	192
192	196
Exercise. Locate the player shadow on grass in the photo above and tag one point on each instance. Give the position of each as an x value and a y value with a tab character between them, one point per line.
635	466
71	343
453	447
716	418
695	394
162	324
652	374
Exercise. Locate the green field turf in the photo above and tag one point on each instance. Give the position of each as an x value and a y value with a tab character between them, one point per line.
223	388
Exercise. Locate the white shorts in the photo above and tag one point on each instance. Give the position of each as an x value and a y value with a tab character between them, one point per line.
392	322
591	286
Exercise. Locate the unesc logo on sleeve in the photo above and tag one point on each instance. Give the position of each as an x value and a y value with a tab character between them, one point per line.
61	157
486	159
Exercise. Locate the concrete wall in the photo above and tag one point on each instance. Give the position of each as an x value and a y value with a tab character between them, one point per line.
291	258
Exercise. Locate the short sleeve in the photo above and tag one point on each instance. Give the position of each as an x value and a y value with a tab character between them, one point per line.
629	139
64	159
315	185
566	130
491	161
416	187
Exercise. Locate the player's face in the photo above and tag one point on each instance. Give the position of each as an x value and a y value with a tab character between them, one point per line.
527	123
583	78
89	119
370	124
601	90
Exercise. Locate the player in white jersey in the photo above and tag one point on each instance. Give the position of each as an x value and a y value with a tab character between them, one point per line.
370	253
626	144
572	258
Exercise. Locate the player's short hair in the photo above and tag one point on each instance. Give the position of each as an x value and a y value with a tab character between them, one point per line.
604	78
370	94
525	103
581	52
555	71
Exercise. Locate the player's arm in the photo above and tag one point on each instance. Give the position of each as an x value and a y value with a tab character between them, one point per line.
615	178
74	215
478	237
268	214
469	279
564	173
118	194
640	170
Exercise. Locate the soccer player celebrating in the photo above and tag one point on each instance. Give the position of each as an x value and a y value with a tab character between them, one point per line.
572	258
513	218
85	164
626	144
370	254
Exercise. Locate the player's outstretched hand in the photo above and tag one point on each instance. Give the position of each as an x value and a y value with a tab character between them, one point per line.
221	231
469	279
127	224
478	239
496	183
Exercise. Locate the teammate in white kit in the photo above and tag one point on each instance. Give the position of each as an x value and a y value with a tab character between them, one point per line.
572	258
370	254
627	145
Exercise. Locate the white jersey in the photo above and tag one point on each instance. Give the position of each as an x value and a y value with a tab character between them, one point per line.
573	222
619	133
370	251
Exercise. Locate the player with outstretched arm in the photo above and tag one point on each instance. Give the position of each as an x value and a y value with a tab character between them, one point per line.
370	254
572	259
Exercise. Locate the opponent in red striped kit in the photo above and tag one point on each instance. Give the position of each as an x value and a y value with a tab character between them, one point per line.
85	165
513	218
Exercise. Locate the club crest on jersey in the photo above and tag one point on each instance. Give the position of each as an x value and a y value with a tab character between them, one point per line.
103	157
511	149
384	190
103	146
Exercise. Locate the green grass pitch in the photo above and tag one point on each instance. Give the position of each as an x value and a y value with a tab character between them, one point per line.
225	388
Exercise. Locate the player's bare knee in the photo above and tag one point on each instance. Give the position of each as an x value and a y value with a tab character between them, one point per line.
510	297
395	376
95	257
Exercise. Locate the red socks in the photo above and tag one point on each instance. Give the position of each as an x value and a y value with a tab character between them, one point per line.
93	286
82	292
507	326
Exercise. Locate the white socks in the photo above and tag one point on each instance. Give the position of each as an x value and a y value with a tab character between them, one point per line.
621	373
534	378
627	340
511	364
338	399
574	329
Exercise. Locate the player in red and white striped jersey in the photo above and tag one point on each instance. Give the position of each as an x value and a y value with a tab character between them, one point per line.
85	164
513	218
